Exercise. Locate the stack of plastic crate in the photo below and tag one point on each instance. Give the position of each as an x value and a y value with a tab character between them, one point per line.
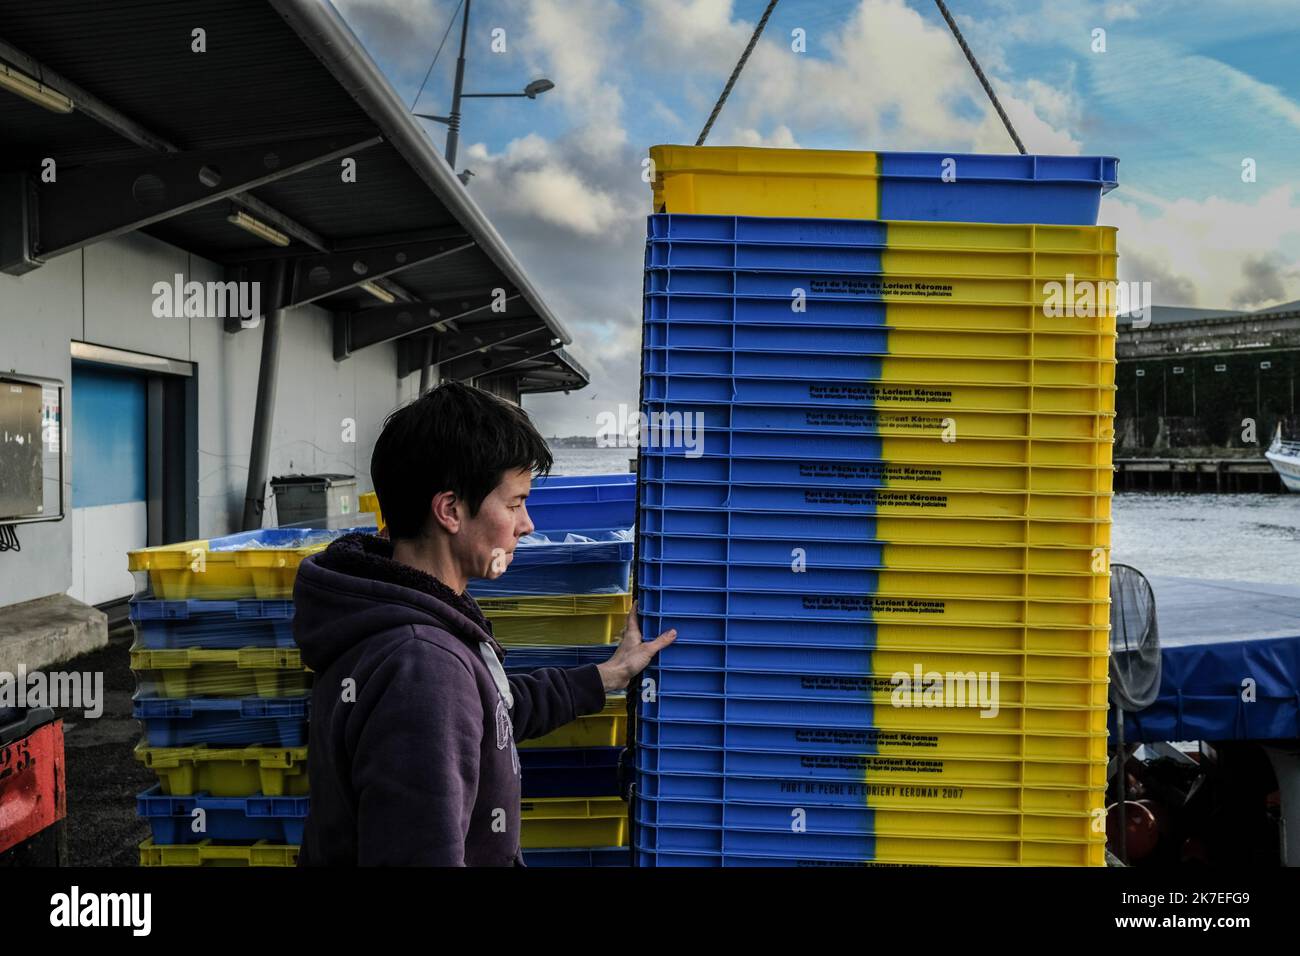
222	695
887	559
562	603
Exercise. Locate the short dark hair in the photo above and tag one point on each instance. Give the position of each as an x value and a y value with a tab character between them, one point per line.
454	438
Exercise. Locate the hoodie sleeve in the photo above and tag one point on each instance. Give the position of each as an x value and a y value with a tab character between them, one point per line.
416	760
552	697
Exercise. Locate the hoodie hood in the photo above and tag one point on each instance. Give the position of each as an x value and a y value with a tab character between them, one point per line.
354	589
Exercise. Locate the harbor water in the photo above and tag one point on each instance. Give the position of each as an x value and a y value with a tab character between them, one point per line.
1243	537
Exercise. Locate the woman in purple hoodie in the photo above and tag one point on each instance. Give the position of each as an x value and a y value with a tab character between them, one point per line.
413	718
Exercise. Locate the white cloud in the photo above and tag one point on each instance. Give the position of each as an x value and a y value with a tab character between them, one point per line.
885	78
575	42
779	138
1214	253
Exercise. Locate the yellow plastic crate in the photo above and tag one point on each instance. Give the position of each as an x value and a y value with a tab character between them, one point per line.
207	853
951	426
976	450
189	569
975	799
995	316
1006	611
558	619
921	637
941	557
974	398
1035	783
973	852
605	729
1010	718
946	370
243	672
228	771
980	743
980	236
1088	671
370	502
563	822
941	529
736	181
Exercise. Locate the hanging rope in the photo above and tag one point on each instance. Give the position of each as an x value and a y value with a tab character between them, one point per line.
735	74
988	88
437	54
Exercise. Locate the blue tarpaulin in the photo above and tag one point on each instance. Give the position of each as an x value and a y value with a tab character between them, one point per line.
1230	659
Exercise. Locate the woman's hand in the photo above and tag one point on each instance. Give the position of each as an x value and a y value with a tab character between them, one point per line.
633	654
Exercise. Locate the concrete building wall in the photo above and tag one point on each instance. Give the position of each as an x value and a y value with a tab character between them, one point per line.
103	295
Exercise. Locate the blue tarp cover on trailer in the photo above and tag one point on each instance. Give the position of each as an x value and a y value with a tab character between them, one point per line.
1230	663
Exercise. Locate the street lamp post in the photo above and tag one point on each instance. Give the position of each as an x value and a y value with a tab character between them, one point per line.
452	121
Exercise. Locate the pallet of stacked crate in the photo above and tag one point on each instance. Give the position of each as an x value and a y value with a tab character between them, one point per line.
562	603
222	695
905	475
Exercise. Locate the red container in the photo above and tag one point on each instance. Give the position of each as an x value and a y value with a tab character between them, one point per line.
32	783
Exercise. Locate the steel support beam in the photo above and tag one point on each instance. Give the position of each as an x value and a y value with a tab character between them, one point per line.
316	277
354	331
87	103
87	204
499	360
259	455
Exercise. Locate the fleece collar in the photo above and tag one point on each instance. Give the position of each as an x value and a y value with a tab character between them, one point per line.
371	557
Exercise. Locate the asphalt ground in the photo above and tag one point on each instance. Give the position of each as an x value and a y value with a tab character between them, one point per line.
103	776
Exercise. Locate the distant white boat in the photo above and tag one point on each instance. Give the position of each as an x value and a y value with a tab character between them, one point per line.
1284	456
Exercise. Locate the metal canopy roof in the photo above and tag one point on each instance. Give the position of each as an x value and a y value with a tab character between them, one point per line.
171	142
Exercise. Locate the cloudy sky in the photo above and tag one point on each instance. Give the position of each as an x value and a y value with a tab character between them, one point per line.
1184	91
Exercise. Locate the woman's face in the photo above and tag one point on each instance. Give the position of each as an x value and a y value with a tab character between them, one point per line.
486	542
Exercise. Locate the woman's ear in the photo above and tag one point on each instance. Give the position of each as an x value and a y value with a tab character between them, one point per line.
445	508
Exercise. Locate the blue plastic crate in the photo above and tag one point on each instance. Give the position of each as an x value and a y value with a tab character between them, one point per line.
690	655
550	563
712	764
792	525
843	818
582	516
522	658
570	772
819	579
773	551
862	287
715	631
718	788
213	624
278	820
1060	190
650	858
806	685
601	856
988	187
737	735
766	843
769	338
566	481
582	488
281	538
764	311
241	721
584	503
833	366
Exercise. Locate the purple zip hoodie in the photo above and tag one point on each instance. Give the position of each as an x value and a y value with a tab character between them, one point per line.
412	738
